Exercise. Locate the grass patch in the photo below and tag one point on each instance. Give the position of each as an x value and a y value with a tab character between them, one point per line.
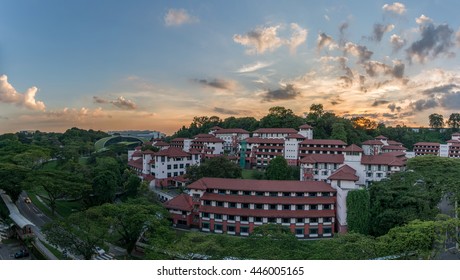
55	251
66	208
251	173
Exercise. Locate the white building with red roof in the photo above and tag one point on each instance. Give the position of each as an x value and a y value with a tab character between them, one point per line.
231	136
237	206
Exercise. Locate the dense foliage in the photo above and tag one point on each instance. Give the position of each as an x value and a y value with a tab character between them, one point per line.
217	167
358	211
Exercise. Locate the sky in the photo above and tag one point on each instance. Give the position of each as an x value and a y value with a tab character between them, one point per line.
141	64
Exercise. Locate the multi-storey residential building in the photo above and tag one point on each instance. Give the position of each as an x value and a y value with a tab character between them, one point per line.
321	146
450	149
426	148
231	136
206	144
269	133
236	206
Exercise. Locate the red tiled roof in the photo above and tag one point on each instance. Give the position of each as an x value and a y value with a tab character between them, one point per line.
391	147
381	137
296	136
180	178
395	154
172	152
268	213
232	130
456	134
204	135
136	163
138	148
260	185
345	173
212	139
148	152
426	144
276	130
269	199
160	144
181	202
323	142
258	140
178	139
383	159
323	158
305	126
148	177
353	148
394	143
453	141
216	127
372	142
137	154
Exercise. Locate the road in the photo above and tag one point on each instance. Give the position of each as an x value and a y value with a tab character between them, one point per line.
31	212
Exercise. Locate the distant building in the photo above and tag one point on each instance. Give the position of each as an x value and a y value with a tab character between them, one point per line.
148	134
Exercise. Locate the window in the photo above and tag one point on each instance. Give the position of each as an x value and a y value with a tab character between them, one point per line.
313	220
231	228
259	206
313	207
220	203
327	220
218	216
221	191
232	205
246	193
175	174
273	194
313	231
169	166
231	218
181	165
286	220
244	229
234	192
205	225
326	206
327	230
299	220
175	166
245	205
244	218
169	174
272	220
258	219
325	194
299	194
205	215
324	173
369	174
299	231
286	207
311	194
286	194
259	193
218	227
273	206
207	202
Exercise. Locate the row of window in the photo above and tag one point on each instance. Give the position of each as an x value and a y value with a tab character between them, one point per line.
262	206
234	218
176	166
273	194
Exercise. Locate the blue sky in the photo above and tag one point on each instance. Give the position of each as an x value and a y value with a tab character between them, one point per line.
114	65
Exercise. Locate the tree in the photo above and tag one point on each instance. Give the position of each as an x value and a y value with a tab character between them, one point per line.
79	234
338	132
12	177
104	187
279	116
132	185
436	120
278	169
454	120
217	167
132	218
358	211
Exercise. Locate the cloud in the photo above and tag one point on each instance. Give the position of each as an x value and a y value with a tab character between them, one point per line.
423	20
325	40
120	102
394	108
326	17
435	40
299	36
231	111
379	30
457	38
397	42
379	102
8	94
72	114
4	118
374	68
359	51
396	7
424	104
260	40
286	93
440	89
217	83
263	39
451	101
177	17
253	67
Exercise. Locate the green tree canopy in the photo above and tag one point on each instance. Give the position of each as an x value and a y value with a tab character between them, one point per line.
217	167
278	169
436	120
